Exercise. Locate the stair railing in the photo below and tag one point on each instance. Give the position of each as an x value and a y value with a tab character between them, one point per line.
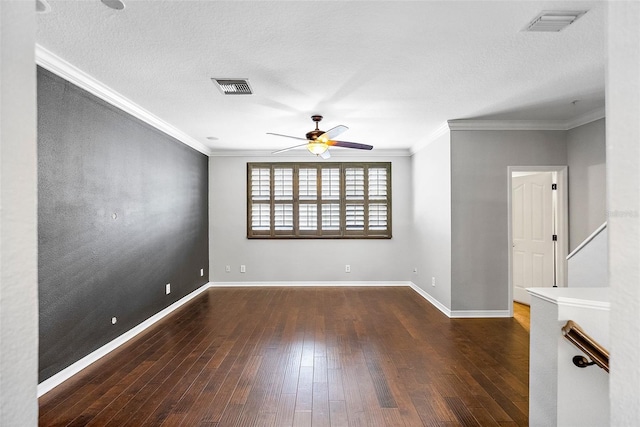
598	355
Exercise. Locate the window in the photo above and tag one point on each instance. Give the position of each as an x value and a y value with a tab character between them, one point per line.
319	200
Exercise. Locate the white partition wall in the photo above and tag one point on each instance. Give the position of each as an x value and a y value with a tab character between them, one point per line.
18	217
623	203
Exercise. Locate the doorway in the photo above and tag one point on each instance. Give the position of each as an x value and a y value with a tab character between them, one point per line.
537	246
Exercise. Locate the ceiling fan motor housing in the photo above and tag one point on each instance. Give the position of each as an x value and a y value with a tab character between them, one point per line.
318	141
314	134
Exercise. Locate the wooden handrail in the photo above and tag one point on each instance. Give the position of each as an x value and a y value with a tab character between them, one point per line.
598	354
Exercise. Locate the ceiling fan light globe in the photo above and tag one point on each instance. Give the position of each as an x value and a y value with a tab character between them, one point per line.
317	148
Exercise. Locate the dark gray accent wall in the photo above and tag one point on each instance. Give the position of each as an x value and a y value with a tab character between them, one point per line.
122	211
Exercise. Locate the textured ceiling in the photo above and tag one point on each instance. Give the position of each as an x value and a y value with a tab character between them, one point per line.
393	72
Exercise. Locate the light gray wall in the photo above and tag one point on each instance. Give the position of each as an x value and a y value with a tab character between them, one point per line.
18	217
302	260
586	157
431	168
623	201
479	247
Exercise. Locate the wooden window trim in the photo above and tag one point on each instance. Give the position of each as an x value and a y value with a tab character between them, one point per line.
342	232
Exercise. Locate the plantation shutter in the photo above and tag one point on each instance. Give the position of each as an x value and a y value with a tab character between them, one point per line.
308	194
260	196
354	194
377	199
319	200
331	199
283	196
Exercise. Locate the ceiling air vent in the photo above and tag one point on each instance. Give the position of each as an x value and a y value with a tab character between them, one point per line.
554	20
233	86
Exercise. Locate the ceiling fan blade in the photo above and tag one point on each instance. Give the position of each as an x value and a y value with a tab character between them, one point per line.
290	148
333	132
326	155
287	136
346	144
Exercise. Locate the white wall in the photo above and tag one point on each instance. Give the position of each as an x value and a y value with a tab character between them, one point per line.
589	267
623	201
431	168
583	393
302	260
587	189
479	212
18	217
543	363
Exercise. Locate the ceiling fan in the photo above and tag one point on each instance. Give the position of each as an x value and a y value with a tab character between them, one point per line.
319	141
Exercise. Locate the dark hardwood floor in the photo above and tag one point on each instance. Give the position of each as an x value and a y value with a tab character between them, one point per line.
378	356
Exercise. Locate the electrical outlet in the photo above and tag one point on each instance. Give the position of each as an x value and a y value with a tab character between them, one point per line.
227	269
114	320
347	268
433	281
167	288
243	268
201	272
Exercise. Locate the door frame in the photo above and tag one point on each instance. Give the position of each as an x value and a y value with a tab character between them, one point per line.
562	227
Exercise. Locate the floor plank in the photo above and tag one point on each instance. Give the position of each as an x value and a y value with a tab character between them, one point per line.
374	356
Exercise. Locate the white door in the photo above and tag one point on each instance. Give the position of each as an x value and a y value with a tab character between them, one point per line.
532	232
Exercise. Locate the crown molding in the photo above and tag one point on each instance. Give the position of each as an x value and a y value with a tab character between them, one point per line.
71	73
507	125
335	154
588	117
478	124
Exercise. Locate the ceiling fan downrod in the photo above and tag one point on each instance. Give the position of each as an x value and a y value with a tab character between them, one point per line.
314	134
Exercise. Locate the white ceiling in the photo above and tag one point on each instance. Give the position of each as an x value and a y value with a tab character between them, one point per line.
393	72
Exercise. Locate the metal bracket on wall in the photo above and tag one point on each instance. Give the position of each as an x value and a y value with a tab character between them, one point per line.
597	354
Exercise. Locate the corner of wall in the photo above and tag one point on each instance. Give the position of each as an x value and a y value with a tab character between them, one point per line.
431	221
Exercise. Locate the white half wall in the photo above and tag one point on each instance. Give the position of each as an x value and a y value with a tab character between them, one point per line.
386	260
18	216
543	363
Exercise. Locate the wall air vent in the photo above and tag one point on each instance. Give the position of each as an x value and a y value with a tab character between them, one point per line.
233	86
554	20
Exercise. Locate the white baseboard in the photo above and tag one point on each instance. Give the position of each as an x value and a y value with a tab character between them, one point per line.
461	314
458	314
57	379
305	284
437	304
